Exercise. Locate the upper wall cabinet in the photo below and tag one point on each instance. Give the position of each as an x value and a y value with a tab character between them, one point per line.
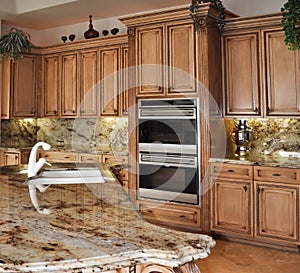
5	88
282	70
77	78
260	74
25	87
164	53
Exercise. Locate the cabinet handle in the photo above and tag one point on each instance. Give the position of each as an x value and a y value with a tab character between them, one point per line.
245	188
259	190
230	171
159	88
276	174
255	109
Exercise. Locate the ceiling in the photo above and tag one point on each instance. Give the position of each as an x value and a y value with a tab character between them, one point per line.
45	14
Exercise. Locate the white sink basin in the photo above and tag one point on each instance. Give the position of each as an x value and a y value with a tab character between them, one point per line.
68	176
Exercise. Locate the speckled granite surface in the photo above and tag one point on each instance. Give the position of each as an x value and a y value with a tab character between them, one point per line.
91	227
262	160
103	135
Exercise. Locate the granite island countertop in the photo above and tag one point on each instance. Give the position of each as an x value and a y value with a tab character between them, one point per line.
93	227
261	160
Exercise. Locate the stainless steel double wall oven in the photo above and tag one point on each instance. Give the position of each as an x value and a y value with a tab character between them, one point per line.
168	134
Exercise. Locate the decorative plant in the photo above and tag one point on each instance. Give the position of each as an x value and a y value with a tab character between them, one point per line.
14	44
291	23
216	4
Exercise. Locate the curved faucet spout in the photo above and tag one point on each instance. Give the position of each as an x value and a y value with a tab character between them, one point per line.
33	166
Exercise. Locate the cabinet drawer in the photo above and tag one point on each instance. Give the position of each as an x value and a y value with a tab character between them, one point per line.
171	216
58	156
232	171
89	158
276	174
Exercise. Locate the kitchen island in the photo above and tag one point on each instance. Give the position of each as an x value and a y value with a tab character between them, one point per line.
91	228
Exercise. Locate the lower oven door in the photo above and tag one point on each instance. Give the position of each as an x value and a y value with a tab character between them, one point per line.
169	178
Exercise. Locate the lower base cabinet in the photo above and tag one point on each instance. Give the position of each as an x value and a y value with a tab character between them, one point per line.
260	209
171	215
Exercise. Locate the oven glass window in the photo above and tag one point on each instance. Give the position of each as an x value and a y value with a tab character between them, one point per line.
173	179
176	131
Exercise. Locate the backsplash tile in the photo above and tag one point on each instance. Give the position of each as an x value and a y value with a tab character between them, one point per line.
91	135
269	135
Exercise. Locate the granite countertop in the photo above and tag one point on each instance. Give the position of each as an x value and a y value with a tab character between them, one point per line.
261	160
91	227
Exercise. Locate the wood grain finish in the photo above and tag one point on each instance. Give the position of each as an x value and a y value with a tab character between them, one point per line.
261	76
5	88
25	86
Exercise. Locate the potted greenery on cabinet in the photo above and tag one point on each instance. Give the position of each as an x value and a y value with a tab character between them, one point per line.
14	44
291	23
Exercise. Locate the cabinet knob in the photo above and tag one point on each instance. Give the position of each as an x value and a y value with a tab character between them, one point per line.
55	112
230	171
245	188
276	174
159	88
269	110
255	109
73	111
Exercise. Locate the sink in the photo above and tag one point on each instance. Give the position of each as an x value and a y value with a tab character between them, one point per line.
58	176
68	176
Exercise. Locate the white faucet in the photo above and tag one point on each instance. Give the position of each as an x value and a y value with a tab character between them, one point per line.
33	169
33	165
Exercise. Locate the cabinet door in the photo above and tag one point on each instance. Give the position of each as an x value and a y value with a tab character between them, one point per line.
11	158
241	75
149	61
109	76
5	88
88	83
124	82
181	59
69	85
50	86
277	211
25	85
232	206
282	76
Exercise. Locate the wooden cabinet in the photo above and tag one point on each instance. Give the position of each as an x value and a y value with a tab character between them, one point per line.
83	79
242	74
277	203
50	86
5	88
169	59
277	211
25	87
110	81
232	199
282	70
260	74
166	59
89	158
88	83
69	80
182	217
264	205
11	158
57	157
150	60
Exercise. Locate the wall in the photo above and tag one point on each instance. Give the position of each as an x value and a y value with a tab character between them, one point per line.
53	36
89	135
